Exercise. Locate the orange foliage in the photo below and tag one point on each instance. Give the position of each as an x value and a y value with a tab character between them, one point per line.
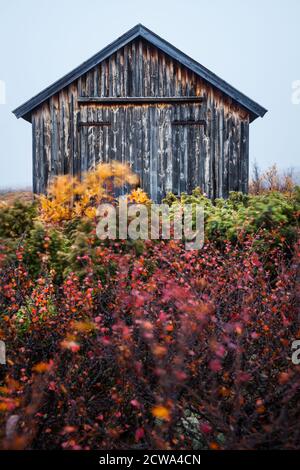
68	197
139	196
161	412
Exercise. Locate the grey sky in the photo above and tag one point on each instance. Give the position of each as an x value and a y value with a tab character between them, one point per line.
255	46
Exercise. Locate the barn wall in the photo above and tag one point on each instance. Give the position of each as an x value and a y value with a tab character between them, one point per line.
214	156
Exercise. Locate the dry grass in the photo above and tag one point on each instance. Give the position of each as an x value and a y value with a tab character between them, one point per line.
9	197
272	180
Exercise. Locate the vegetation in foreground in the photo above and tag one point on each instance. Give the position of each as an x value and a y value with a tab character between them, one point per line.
119	344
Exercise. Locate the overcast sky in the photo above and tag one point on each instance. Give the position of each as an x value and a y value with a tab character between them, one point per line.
255	46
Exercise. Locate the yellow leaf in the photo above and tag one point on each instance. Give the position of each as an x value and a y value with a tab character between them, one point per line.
161	412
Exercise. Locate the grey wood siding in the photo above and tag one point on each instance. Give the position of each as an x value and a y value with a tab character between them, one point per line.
167	156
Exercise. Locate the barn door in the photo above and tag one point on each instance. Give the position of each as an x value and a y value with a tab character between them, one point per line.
149	147
187	135
142	138
94	137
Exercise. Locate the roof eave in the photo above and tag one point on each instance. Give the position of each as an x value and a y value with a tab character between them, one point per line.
255	109
70	77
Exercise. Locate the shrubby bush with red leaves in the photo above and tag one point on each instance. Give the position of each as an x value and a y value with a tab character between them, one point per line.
146	345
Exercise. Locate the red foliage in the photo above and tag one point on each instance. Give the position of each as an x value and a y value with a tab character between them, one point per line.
177	350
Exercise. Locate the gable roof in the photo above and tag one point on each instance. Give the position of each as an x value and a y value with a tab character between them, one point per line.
141	31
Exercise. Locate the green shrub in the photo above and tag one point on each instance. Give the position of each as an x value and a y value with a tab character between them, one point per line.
273	213
17	220
44	248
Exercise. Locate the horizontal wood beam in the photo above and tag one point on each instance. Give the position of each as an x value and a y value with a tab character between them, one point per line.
189	122
95	123
139	99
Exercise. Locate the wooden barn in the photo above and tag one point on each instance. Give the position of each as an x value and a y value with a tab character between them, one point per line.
140	100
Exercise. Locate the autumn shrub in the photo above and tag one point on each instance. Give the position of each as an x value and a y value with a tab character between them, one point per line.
17	219
68	197
274	214
173	349
141	344
139	196
271	179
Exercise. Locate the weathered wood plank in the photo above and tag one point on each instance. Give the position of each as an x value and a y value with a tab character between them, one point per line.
173	128
139	99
